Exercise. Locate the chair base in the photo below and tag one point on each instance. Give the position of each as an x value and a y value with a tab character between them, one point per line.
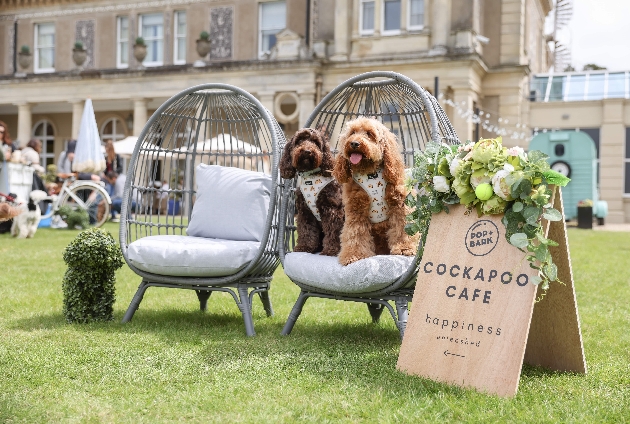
376	306
243	296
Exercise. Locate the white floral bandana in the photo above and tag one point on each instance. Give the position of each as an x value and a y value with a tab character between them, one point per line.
374	185
311	186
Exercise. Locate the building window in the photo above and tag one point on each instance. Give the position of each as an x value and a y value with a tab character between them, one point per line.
113	129
272	19
122	42
44	48
391	17
44	131
416	15
151	29
179	48
367	17
627	164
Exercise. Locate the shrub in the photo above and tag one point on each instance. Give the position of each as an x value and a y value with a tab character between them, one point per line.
78	45
25	49
88	285
140	41
204	35
75	218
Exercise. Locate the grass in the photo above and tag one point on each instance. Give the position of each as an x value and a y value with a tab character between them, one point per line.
173	363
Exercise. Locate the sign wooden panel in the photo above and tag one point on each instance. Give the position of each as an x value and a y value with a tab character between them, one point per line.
473	306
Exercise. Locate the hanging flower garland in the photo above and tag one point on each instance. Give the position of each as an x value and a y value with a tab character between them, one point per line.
491	179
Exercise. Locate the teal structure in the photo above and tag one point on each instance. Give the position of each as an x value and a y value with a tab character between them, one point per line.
573	154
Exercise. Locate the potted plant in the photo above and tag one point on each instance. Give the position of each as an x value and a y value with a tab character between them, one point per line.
79	54
140	50
203	44
585	214
24	57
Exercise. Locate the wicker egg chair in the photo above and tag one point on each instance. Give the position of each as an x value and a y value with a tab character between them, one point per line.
223	131
416	118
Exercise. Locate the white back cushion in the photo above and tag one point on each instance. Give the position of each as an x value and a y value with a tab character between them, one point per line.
232	203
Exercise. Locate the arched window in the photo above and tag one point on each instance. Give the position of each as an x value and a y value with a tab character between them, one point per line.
44	131
113	129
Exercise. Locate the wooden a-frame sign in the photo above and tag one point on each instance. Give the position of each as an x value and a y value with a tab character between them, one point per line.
474	319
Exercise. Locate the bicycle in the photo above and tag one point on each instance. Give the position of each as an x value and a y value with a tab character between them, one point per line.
88	195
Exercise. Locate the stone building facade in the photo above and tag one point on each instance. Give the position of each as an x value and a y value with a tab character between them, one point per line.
287	53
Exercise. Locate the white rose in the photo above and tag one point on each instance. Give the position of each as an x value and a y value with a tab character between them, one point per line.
440	184
453	166
516	151
499	185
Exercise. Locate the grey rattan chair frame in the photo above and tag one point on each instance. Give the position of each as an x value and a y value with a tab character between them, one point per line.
415	114
227	108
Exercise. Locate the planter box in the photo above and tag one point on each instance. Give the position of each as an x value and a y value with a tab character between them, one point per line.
174	207
585	217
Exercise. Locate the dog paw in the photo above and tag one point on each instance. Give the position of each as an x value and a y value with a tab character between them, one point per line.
305	249
351	259
404	250
330	252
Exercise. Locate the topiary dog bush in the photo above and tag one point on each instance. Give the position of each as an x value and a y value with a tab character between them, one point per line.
88	285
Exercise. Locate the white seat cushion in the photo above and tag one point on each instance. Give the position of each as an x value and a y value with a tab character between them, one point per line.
325	272
188	256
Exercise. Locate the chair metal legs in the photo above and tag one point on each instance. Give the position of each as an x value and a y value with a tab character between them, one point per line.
376	309
246	310
242	296
203	296
135	302
295	313
376	306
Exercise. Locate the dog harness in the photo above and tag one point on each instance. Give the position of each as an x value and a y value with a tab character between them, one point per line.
374	185
311	185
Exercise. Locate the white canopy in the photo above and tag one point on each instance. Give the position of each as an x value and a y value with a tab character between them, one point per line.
125	147
88	155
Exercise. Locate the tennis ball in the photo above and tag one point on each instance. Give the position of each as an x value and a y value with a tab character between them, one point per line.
484	191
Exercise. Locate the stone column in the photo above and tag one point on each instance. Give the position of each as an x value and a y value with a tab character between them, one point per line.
611	163
306	105
440	26
139	115
342	30
24	123
77	113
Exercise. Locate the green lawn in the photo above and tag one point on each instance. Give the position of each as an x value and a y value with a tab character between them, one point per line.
173	363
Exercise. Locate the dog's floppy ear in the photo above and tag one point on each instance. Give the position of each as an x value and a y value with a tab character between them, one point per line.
287	171
328	162
393	167
341	171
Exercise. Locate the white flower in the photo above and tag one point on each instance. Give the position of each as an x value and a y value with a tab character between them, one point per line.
508	167
499	185
440	184
453	166
475	180
516	151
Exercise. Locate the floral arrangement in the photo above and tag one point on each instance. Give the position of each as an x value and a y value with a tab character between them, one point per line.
491	179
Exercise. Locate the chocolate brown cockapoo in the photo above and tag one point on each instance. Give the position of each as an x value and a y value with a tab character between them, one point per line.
318	203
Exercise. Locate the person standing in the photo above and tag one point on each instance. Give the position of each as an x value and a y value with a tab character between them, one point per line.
64	164
30	154
5	141
112	164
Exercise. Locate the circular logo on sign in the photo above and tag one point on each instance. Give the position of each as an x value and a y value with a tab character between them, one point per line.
482	237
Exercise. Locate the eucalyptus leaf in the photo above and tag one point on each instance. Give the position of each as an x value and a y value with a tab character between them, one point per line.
531	214
535	280
517	207
552	214
552	271
519	240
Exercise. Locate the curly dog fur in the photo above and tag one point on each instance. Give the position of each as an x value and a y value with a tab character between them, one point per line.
360	237
309	150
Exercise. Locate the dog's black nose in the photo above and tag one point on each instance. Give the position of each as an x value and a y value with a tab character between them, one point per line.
354	144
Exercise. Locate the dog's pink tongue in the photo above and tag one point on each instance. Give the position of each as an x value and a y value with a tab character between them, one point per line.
356	158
